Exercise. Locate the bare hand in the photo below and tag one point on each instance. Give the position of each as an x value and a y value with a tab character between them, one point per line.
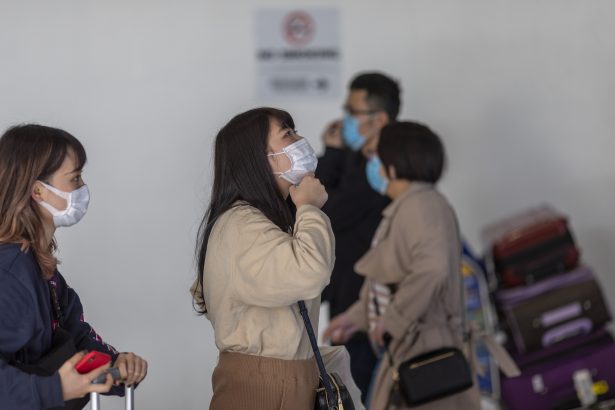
332	136
75	385
309	192
371	146
133	368
340	329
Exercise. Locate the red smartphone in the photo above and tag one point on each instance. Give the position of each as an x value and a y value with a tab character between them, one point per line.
91	361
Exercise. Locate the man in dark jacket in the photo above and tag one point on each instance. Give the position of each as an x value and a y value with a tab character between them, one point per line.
354	208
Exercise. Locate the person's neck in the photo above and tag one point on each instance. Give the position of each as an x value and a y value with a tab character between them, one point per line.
397	187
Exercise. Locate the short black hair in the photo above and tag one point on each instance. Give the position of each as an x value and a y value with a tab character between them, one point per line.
414	150
382	92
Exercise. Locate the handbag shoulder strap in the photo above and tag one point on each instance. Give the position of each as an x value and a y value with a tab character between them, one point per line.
465	334
464	324
55	303
326	381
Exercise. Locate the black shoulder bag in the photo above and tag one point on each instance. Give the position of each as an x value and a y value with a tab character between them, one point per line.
433	375
62	349
326	397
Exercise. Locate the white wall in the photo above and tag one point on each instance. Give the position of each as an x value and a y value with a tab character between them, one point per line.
522	92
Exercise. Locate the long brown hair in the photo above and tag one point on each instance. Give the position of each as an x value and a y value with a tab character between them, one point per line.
30	153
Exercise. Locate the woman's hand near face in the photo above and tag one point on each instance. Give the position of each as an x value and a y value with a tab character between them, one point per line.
309	192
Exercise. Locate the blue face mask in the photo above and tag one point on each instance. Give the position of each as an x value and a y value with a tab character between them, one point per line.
375	180
350	132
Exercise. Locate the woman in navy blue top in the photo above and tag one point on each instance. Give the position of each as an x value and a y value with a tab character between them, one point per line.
41	189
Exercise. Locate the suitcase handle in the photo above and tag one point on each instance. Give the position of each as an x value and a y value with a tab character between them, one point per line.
566	331
544	267
130	399
561	314
115	373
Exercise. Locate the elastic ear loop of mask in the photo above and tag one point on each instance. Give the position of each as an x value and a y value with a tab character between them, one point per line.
289	157
64	195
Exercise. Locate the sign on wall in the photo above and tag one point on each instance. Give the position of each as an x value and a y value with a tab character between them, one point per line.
298	53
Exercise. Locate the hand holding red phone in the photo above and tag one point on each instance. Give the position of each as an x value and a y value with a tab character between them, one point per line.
75	385
92	360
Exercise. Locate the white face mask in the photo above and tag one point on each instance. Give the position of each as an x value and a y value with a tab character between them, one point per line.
77	204
303	161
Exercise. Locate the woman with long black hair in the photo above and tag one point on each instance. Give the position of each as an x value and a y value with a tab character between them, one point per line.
257	258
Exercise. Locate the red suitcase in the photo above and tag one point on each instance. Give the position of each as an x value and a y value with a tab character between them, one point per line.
531	246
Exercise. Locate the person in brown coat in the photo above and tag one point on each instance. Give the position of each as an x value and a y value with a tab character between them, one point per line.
412	294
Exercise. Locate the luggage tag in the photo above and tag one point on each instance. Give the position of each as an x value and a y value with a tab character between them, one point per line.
587	389
584	386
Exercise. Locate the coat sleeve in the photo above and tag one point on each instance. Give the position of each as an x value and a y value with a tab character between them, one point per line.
351	200
273	268
19	390
358	310
347	201
83	333
427	270
22	391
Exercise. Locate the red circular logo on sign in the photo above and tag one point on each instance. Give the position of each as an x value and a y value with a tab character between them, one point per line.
299	28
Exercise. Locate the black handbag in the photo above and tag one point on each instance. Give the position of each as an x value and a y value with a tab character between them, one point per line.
433	375
62	349
331	393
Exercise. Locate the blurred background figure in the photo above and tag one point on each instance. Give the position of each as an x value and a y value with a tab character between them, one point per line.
354	208
412	295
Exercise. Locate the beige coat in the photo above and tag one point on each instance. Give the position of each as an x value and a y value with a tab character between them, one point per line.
254	275
418	250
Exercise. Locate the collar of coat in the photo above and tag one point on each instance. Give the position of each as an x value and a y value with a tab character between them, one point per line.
415	188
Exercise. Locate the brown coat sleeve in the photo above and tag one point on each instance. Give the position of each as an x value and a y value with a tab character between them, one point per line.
358	311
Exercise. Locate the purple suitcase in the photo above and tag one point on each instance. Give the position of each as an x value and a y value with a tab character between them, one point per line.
550	385
515	296
553	310
544	355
